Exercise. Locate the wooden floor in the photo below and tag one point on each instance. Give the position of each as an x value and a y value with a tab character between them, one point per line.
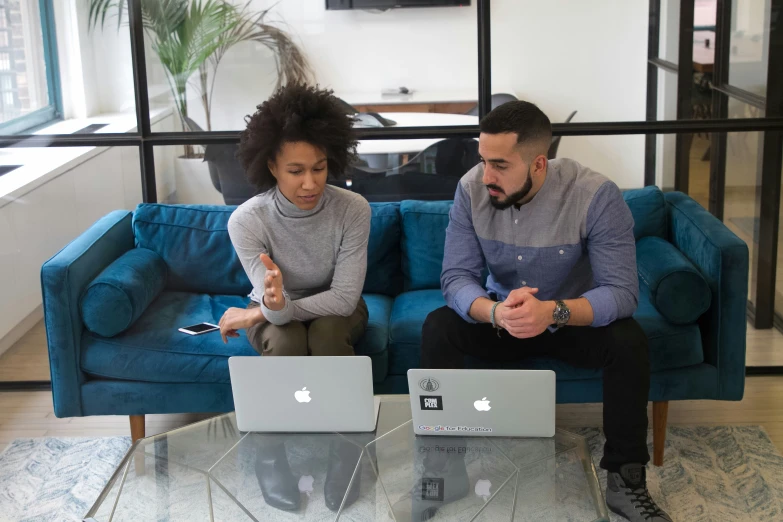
30	414
28	359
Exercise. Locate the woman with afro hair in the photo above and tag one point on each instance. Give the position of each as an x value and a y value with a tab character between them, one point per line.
303	243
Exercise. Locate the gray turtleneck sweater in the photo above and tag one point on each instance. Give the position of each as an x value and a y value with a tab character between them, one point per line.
322	253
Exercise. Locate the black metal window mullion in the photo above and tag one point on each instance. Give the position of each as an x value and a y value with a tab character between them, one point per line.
484	58
771	164
141	89
653	42
720	104
684	93
612	128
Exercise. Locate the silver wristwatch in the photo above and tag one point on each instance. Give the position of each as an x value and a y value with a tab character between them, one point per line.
561	315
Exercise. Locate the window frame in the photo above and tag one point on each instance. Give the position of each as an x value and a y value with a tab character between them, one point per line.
53	111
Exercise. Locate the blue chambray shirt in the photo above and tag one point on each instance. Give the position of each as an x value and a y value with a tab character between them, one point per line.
573	239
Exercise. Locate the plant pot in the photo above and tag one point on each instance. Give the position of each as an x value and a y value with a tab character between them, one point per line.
194	184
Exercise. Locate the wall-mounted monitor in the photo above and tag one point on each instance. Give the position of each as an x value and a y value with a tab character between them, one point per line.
389	4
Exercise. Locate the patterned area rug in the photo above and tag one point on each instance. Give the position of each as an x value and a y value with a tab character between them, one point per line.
56	479
710	474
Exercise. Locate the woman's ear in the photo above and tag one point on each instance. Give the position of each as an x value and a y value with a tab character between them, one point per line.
272	168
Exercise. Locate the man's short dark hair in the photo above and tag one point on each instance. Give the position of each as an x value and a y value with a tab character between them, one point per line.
523	118
296	113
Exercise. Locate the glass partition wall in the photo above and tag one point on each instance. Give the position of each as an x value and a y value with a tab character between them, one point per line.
678	94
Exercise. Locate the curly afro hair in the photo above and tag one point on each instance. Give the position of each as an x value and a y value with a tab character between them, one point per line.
294	113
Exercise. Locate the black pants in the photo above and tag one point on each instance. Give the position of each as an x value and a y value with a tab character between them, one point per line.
619	348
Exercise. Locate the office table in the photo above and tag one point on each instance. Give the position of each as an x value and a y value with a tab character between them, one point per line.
412	119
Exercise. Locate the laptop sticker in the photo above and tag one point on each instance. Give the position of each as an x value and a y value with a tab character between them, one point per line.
431	402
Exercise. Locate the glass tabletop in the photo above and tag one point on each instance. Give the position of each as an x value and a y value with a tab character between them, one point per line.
211	471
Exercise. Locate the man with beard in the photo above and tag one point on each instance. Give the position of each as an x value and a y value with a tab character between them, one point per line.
557	240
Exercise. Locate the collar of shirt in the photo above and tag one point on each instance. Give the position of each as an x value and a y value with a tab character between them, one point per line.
289	209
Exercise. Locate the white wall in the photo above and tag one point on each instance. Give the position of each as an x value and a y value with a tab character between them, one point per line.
562	55
36	225
352	51
585	56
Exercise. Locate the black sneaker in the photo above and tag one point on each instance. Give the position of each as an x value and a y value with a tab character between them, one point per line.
627	495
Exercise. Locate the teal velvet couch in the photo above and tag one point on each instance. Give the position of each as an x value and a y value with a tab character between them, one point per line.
150	367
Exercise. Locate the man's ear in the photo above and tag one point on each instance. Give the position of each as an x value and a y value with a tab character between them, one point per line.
540	163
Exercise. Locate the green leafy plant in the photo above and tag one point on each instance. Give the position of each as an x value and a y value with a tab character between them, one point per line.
191	37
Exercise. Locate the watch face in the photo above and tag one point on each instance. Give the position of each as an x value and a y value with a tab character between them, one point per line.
562	314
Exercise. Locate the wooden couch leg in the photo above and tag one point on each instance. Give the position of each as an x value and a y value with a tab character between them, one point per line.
137	432
660	412
137	427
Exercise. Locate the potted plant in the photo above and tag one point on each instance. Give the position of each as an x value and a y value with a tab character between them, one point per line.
190	38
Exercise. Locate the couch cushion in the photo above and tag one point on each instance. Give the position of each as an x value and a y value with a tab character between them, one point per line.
153	350
376	336
671	346
384	275
648	208
375	341
115	299
676	287
423	238
193	241
408	314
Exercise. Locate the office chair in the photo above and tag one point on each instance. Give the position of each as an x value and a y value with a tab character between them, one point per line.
431	175
552	154
497	100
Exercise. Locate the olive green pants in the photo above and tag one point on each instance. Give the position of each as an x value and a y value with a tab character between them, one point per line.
330	335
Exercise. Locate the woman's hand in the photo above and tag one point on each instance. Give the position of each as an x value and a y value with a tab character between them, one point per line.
239	319
273	285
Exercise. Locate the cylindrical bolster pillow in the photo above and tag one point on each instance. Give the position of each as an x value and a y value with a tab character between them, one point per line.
676	288
121	293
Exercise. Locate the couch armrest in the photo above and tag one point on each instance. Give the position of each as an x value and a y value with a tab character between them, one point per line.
722	258
63	278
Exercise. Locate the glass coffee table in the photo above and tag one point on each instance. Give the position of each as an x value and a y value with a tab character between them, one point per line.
211	471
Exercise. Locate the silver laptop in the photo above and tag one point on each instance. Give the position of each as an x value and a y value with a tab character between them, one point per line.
500	403
303	394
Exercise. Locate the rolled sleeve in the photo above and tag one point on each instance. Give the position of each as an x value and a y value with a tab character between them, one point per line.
604	305
464	298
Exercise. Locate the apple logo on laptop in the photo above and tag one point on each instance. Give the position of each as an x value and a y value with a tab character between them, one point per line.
306	484
482	405
482	489
302	395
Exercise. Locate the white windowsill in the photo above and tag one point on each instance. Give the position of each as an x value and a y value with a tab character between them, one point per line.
40	165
